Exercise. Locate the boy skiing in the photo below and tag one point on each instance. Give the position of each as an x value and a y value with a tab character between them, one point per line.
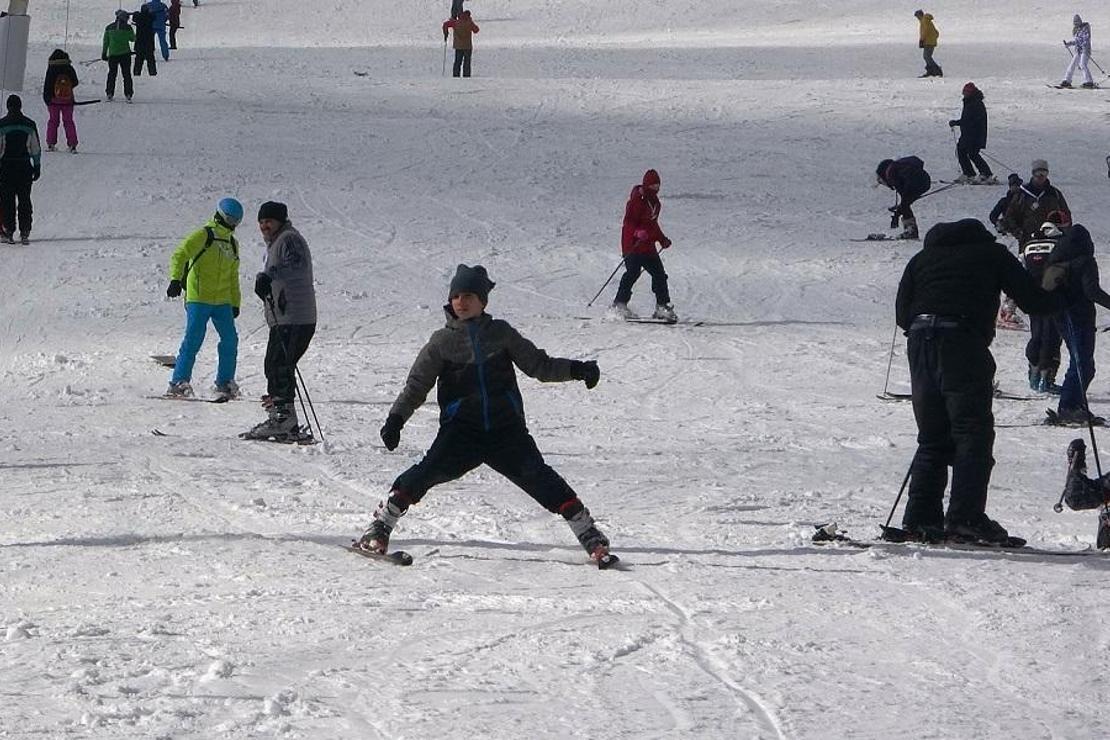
907	177
639	234
1081	41
481	418
206	265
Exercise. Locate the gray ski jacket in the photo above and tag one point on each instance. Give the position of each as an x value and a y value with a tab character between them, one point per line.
472	364
289	266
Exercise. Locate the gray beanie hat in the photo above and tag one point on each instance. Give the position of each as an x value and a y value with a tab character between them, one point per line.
1039	164
471	280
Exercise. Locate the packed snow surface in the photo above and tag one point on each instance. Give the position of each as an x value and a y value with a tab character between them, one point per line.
191	585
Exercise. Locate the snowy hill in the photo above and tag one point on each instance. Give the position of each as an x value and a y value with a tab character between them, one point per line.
191	585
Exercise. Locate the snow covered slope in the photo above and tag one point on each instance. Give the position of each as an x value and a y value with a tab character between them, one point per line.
191	585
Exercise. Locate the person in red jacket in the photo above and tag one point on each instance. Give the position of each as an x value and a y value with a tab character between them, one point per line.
639	235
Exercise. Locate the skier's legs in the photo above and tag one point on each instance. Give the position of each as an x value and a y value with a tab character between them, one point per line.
125	68
1080	339
466	62
173	37
456	68
286	345
7	203
979	162
162	44
929	469
196	324
1070	72
113	70
453	454
633	266
1084	58
968	394
69	125
151	63
52	124
228	349
24	210
138	63
515	456
654	266
965	160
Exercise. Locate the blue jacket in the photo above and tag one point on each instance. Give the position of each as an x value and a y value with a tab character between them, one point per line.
160	11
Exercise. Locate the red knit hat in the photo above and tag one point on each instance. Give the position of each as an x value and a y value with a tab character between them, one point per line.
651	177
969	89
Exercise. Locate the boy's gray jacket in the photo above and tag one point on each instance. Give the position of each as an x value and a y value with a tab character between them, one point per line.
472	362
289	265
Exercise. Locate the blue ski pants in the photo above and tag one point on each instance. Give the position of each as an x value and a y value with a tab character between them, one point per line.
197	316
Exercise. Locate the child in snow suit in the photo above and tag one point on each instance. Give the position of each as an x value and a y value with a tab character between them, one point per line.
639	234
1043	349
973	137
463	42
57	93
927	37
1033	201
144	42
207	262
1072	271
116	50
175	21
1013	186
907	177
289	300
1081	41
481	414
20	162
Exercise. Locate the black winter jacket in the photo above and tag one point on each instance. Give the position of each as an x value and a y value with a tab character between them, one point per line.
1080	289
144	29
959	272
973	122
57	65
907	176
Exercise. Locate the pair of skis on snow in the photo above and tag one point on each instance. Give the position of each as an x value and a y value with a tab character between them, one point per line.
400	557
895	538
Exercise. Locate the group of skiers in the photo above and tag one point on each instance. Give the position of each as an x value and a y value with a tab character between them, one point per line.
150	23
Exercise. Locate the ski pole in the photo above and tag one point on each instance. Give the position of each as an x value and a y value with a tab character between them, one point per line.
606	284
890	358
1083	388
997	162
443	73
1100	69
901	490
942	188
1068	49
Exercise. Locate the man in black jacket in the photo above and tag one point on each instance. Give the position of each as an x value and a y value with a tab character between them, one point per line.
20	165
973	138
947	301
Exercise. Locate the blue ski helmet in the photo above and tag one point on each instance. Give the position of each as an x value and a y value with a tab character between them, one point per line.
231	211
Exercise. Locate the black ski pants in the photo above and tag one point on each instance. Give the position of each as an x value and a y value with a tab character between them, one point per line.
634	264
510	451
1043	348
968	156
15	196
908	193
462	62
286	345
116	65
147	56
952	376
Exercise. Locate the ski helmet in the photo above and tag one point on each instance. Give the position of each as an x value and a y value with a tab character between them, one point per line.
231	211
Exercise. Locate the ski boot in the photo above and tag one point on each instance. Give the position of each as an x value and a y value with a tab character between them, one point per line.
180	389
1034	378
25	237
1065	83
1046	383
280	425
964	179
986	180
980	529
665	312
376	536
589	536
909	229
1089	85
622	311
1080	492
228	391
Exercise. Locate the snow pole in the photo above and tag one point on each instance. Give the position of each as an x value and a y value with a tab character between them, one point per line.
1100	69
901	490
1102	534
890	360
1068	49
443	72
606	284
997	162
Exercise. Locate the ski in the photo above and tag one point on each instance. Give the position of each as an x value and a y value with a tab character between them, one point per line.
165	360
895	538
1001	395
194	399
1053	419
1074	87
397	557
879	237
302	437
610	561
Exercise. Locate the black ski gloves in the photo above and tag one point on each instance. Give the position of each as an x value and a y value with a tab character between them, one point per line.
665	243
391	431
175	289
953	123
36	173
587	372
262	287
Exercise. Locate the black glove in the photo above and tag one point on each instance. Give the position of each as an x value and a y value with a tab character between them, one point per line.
36	173
234	312
953	124
175	289
665	243
893	209
445	35
262	286
391	431
894	220
587	372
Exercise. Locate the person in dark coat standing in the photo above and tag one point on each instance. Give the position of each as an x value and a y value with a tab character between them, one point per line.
973	137
464	29
1043	348
20	165
144	42
1073	270
1032	203
175	21
907	177
947	301
1014	183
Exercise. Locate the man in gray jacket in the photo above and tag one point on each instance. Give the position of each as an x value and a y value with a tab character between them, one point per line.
289	297
481	414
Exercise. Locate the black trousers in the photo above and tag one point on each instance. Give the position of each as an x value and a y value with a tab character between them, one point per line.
116	65
967	157
145	55
952	375
173	36
510	451
462	62
634	264
15	188
286	345
1043	348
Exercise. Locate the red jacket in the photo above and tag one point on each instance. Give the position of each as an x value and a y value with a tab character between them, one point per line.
641	223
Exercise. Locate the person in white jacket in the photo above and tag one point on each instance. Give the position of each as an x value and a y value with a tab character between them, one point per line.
1081	32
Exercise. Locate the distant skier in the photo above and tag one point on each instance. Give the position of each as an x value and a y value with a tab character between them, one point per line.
20	165
144	42
1043	348
206	266
481	414
175	21
907	177
927	38
973	138
640	232
947	300
116	50
57	93
1013	186
1081	42
464	29
288	296
1033	201
159	14
1072	269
